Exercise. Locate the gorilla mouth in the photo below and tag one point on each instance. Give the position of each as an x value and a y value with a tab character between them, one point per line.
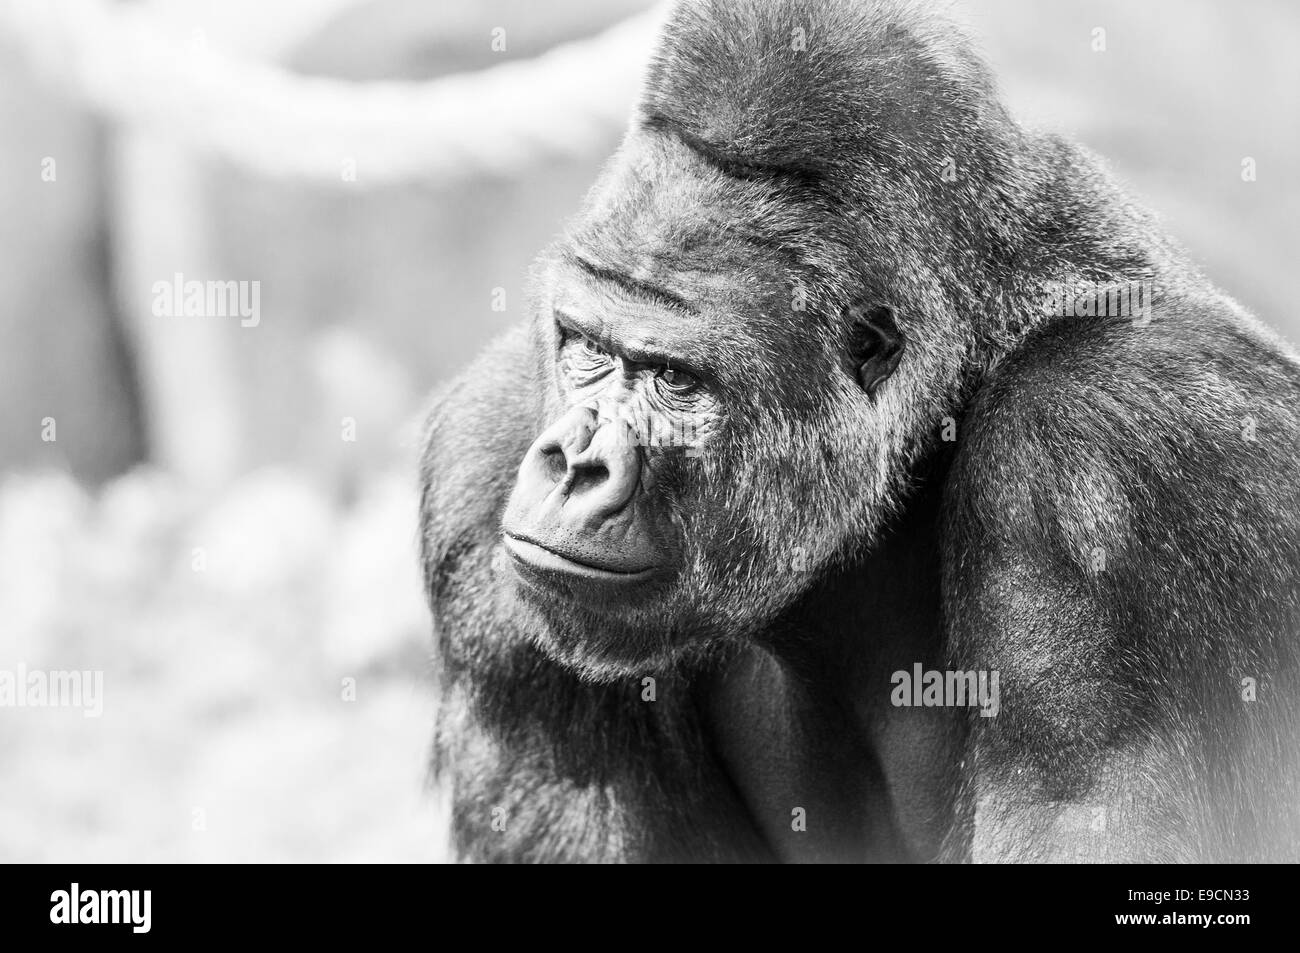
534	560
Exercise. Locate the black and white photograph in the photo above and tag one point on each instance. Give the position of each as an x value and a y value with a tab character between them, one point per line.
649	432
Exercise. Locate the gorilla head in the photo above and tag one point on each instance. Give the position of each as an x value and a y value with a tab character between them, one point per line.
717	336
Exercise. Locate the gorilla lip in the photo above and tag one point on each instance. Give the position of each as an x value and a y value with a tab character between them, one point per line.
536	558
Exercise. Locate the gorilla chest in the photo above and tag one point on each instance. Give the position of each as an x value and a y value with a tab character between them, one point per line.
825	784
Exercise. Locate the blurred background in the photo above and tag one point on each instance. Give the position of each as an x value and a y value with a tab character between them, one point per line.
217	511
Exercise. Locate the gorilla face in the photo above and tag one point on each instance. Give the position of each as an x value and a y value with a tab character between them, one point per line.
697	466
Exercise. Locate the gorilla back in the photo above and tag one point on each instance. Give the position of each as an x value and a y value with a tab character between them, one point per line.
873	480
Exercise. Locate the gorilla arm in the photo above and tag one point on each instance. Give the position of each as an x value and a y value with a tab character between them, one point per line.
1124	557
542	765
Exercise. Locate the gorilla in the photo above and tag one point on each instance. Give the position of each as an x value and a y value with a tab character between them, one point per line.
822	512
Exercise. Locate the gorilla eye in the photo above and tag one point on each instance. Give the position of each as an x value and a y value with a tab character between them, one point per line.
582	360
677	381
590	355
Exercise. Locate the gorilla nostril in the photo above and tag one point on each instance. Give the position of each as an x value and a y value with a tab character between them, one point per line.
554	461
588	476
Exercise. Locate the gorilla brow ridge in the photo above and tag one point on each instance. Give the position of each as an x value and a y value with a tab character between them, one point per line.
729	164
633	286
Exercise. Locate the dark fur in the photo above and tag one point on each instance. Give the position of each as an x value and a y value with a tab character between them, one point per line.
752	168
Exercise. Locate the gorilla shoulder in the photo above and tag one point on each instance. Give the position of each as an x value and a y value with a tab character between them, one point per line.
1103	440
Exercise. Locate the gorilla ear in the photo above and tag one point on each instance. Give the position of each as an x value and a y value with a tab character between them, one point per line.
876	344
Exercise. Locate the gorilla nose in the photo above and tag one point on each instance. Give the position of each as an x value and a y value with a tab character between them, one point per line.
592	465
578	520
574	520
